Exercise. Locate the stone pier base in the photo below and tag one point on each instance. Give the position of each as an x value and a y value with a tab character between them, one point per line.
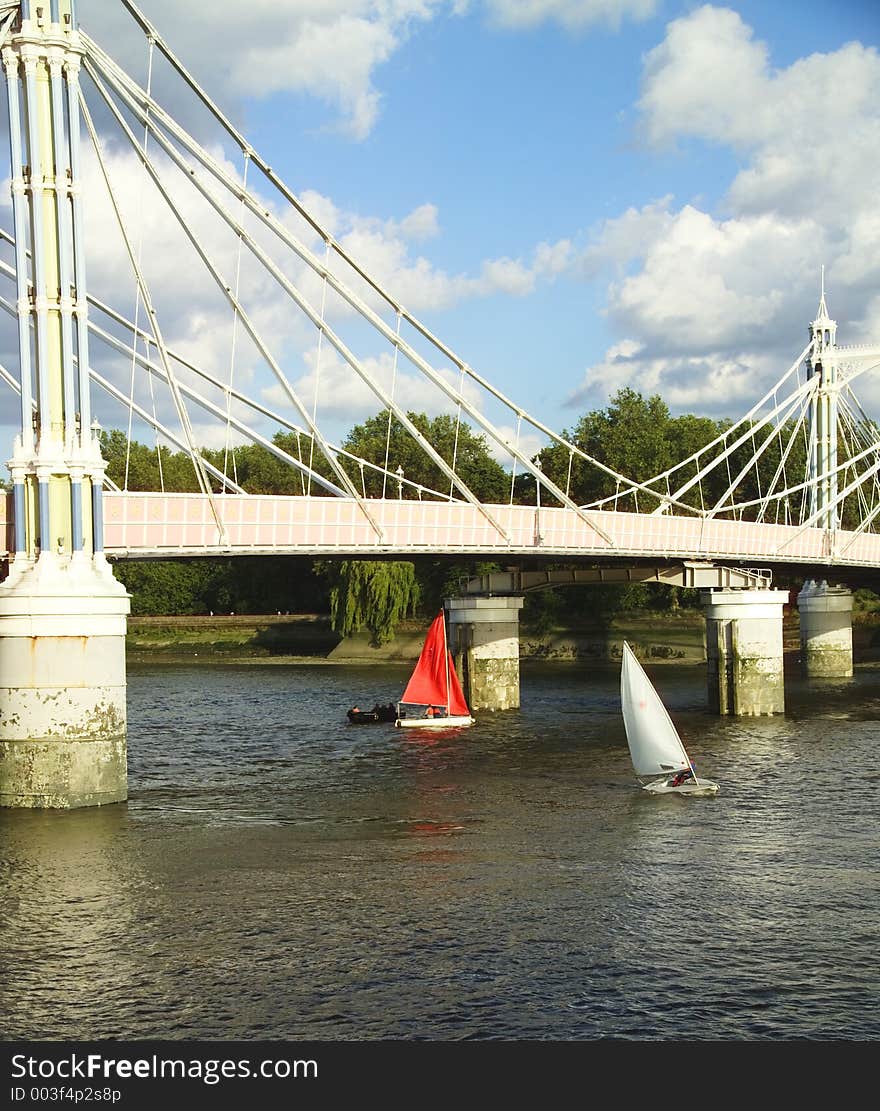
826	630
62	686
484	639
744	651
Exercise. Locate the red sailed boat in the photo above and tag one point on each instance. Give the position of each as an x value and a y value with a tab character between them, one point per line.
433	698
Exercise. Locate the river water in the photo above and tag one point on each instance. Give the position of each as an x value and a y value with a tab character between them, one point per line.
280	874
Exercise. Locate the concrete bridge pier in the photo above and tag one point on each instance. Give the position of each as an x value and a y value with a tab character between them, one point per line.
744	651
826	630
62	685
484	639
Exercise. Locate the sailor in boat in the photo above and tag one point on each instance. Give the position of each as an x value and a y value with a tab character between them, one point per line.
681	777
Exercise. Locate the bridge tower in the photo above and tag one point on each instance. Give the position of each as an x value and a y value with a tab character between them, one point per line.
62	613
822	364
825	611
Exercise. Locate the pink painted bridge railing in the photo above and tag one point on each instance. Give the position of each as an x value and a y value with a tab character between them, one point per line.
153	525
150	526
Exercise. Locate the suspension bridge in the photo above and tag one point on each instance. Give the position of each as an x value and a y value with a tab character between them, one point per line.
794	483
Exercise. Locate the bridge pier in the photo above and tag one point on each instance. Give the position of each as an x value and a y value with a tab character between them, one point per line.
484	639
826	630
62	698
744	651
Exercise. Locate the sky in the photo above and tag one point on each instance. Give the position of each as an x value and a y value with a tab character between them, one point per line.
576	196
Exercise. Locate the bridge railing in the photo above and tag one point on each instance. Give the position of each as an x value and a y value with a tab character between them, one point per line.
155	525
151	525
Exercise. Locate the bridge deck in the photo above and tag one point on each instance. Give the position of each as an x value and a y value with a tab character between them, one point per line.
153	525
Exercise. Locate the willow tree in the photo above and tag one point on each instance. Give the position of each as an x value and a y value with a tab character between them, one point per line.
371	594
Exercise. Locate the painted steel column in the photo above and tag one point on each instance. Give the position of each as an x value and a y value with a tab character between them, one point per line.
98	512
44	528
826	630
76	510
45	409
64	308
19	512
80	306
20	223
744	651
484	639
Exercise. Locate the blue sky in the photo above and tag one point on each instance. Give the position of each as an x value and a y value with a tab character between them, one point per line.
575	195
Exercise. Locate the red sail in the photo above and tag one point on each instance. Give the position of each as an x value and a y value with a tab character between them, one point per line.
428	683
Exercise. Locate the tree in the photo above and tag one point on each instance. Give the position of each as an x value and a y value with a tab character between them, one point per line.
371	594
631	437
134	466
466	452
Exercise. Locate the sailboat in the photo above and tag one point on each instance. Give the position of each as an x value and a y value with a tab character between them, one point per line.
658	755
433	698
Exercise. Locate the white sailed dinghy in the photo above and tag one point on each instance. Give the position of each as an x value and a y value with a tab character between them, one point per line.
659	758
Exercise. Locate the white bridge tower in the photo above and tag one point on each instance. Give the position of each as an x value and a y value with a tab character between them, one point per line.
62	613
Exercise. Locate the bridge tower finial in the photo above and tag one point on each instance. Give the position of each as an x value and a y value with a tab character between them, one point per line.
823	330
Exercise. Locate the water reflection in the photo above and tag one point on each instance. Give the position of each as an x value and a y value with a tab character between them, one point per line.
72	891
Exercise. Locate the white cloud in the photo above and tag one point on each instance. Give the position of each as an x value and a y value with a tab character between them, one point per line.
508	275
329	49
421	223
703	383
717	303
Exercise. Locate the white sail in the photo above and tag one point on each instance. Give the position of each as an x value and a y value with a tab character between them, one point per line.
654	743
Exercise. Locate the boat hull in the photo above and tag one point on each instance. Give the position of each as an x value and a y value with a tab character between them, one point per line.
433	723
370	717
703	788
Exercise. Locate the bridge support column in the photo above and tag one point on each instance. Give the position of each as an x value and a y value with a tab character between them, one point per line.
826	630
744	651
62	698
62	614
484	638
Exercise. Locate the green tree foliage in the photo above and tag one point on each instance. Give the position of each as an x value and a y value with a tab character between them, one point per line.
451	439
638	438
134	466
371	594
260	471
631	437
245	585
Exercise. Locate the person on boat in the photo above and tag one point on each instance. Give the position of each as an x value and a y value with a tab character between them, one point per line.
429	713
681	777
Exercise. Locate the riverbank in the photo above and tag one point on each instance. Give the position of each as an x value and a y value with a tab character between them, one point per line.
281	638
273	638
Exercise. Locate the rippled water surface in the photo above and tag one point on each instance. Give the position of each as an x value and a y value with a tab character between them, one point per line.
280	874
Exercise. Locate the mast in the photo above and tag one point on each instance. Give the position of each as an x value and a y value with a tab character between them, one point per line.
446	662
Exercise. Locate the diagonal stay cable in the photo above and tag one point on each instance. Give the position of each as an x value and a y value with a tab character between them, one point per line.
243	315
323	328
134	96
240	426
183	416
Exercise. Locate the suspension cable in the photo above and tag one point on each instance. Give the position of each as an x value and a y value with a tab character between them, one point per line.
244	177
390	411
